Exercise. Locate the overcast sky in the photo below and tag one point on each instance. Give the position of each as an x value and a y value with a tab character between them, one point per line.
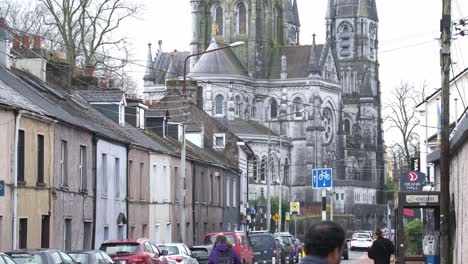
408	32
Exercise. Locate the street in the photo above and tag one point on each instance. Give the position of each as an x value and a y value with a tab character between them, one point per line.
358	257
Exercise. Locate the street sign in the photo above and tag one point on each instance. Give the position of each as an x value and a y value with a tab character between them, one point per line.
288	216
322	178
430	198
2	188
295	208
276	217
252	210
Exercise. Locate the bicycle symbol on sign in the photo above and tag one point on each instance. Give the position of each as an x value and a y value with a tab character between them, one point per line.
324	174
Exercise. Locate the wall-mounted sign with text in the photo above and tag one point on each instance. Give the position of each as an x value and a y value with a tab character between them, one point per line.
412	181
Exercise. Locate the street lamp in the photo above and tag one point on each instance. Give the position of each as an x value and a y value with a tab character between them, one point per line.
268	176
183	152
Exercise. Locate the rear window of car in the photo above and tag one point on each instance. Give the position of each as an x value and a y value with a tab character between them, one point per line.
28	258
171	250
286	240
200	252
262	242
121	248
209	240
82	258
361	236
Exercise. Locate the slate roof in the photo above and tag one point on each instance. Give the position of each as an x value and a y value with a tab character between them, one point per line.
8	96
106	96
219	63
297	57
162	68
244	127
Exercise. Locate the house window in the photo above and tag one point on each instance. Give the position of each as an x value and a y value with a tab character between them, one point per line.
45	228
342	196
263	165
104	175
234	193
241	19
87	235
273	109
40	159
298	108
106	233
218	20
82	169
20	165
67	238
238	109
168	233
142	185
122	114
155	184
255	168
211	189
228	192
219	140
219	103
23	233
347	127
157	234
165	182
63	163
117	178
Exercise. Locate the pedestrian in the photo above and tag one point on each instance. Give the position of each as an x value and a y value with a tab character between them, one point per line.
324	243
382	249
222	252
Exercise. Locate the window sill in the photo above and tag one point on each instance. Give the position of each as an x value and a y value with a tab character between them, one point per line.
64	187
40	184
84	191
22	183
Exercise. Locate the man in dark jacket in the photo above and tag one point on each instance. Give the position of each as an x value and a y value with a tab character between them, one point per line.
323	244
381	249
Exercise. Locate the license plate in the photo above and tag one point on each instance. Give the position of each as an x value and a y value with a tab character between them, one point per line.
257	253
120	262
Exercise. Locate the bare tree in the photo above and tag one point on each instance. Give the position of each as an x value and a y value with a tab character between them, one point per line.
402	116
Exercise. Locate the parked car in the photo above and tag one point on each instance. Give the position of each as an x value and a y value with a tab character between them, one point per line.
40	256
140	251
90	257
265	248
288	240
239	242
179	253
285	250
361	241
201	253
6	259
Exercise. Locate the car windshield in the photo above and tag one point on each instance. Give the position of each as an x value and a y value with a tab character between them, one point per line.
27	258
286	240
121	248
262	242
361	236
171	250
81	258
209	240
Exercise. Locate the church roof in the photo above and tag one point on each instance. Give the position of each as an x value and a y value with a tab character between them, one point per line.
223	62
297	57
245	127
163	69
356	8
292	13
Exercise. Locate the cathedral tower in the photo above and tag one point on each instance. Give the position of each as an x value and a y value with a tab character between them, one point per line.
262	24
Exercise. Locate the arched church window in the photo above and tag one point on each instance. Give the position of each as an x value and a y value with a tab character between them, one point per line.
345	32
347	127
253	112
286	172
276	24
241	19
255	168
219	104
263	167
298	107
273	109
328	125
238	109
372	37
272	169
218	20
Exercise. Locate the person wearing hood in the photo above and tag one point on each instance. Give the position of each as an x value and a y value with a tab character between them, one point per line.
222	252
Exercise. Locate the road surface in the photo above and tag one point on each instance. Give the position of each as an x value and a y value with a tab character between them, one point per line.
358	257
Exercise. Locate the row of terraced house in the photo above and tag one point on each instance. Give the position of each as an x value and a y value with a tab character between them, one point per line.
81	165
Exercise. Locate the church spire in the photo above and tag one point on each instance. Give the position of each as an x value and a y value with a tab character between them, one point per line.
313	59
149	77
330	10
296	14
171	70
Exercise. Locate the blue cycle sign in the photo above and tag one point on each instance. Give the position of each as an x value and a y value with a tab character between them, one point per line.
2	188
322	178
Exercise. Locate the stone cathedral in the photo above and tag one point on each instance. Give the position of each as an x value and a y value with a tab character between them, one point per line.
298	106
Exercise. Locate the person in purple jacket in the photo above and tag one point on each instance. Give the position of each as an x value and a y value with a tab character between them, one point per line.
222	252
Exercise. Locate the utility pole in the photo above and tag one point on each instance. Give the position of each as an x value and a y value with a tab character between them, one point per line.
445	60
268	180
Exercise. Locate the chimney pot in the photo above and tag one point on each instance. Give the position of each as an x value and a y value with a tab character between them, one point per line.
16	41
37	42
25	41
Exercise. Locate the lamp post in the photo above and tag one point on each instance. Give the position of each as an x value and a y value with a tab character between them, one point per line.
183	222
269	174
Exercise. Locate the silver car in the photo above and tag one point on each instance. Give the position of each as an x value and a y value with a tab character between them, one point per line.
178	253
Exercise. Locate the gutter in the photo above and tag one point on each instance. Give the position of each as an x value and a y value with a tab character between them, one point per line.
95	140
15	181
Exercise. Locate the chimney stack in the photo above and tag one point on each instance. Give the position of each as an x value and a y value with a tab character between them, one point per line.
5	37
25	41
37	42
16	41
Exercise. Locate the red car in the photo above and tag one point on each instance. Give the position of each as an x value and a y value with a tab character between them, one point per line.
141	251
239	242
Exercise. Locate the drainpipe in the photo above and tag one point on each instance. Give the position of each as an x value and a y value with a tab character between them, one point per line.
194	241
95	141
15	181
127	199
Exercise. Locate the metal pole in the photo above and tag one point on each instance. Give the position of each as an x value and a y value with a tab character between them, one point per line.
446	23
268	216
332	196
183	222
279	208
280	185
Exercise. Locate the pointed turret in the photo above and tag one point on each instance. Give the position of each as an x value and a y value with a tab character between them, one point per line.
171	70
296	14
330	10
314	58
356	8
149	74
